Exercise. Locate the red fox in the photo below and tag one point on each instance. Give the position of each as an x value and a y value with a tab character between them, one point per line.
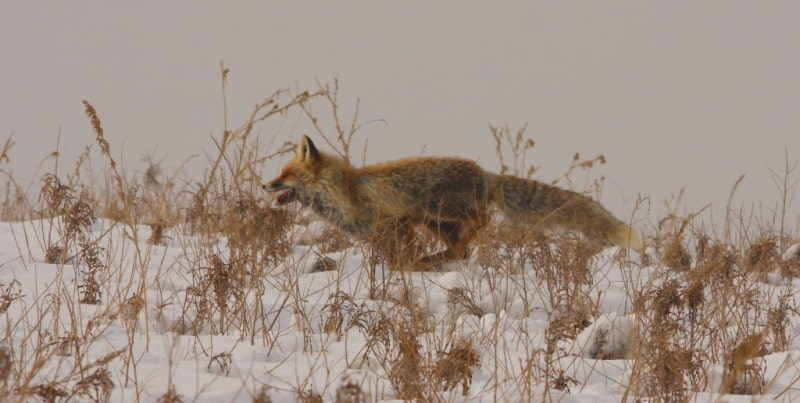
450	197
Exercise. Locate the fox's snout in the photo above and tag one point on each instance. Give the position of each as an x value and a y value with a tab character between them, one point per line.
286	195
272	186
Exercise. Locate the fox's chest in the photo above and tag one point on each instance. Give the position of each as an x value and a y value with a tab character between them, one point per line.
340	216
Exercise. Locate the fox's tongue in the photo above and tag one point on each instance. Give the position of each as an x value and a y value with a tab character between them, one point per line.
283	196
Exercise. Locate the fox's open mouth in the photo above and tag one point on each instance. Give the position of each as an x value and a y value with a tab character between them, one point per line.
285	196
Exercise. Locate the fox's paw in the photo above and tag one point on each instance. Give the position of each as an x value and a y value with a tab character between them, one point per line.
418	266
439	261
421	265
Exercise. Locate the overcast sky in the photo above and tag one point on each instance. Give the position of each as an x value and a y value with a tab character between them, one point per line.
676	95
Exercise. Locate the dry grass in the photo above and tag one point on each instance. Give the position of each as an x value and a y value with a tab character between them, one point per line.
709	305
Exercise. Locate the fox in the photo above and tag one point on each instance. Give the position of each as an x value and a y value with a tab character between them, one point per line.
450	197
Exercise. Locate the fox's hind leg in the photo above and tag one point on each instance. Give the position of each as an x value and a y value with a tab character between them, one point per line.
456	236
448	233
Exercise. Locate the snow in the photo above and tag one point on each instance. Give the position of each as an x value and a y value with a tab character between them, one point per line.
608	336
143	342
792	252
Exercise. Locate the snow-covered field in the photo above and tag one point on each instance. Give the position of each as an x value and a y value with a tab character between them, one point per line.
124	319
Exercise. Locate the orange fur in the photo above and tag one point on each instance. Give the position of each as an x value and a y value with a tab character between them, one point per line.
450	197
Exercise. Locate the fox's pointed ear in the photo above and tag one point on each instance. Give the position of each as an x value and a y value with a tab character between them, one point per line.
306	151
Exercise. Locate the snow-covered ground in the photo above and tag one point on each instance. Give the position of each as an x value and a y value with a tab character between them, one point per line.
294	334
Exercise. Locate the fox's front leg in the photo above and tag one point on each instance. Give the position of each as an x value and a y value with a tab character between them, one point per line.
395	241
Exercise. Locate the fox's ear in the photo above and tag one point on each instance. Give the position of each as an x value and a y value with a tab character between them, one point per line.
306	151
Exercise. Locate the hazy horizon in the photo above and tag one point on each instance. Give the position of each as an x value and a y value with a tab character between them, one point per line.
678	95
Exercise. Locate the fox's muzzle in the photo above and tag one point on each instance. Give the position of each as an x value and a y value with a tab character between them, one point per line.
286	194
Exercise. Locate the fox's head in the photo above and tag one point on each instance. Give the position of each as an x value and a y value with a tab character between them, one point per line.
291	182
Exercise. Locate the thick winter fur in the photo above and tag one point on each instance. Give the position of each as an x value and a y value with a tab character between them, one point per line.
451	197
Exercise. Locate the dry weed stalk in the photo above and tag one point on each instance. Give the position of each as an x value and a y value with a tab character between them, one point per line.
224	362
762	256
309	396
455	366
344	138
344	314
460	299
519	147
157	234
256	233
6	369
262	395
740	375
351	392
9	293
97	387
406	368
170	396
562	264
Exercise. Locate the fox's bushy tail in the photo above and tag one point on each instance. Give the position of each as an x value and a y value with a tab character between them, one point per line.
538	204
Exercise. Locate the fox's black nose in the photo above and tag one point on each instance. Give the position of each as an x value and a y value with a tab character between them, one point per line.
272	186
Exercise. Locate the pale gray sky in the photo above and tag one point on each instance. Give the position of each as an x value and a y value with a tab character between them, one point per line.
682	94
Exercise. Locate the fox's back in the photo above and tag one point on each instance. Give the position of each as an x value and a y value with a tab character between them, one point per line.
431	186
